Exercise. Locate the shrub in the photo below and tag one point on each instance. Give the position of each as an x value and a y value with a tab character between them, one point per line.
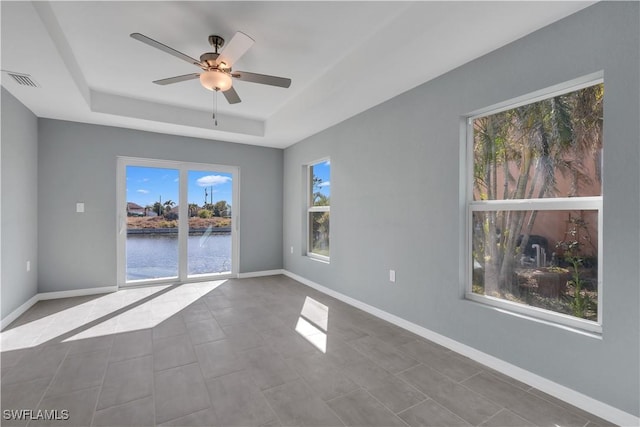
203	213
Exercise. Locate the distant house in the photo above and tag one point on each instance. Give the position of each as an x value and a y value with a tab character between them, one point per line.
133	209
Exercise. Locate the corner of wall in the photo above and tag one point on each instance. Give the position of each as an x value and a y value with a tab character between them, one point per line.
18	214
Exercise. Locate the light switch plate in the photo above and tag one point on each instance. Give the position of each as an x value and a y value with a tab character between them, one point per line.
80	207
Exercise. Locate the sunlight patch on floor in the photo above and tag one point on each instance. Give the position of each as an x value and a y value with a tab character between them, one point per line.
312	323
116	312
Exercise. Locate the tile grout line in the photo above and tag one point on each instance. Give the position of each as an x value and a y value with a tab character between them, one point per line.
104	375
446	409
492	373
417	404
489	400
334	412
571	410
50	382
361	387
204	379
385	406
415	388
563	409
472	376
500	412
453	381
273	411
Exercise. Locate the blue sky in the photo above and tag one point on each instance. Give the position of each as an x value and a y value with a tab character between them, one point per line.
146	185
322	170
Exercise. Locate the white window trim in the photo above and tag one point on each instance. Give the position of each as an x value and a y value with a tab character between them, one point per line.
564	203
310	208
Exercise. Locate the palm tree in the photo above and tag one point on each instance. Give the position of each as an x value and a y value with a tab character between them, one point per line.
193	209
169	204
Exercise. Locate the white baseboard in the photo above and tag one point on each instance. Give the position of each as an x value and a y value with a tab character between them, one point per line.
52	295
259	273
575	398
18	311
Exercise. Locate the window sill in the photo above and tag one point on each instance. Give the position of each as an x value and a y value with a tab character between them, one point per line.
319	258
538	315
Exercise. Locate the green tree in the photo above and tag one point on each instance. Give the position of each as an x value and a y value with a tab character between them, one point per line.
220	208
204	213
158	208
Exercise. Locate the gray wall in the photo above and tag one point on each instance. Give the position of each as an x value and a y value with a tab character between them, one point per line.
19	204
396	204
77	163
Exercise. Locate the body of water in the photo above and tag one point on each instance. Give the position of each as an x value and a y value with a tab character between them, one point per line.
153	256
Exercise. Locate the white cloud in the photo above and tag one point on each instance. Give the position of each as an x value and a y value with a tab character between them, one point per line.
143	191
324	184
327	163
210	180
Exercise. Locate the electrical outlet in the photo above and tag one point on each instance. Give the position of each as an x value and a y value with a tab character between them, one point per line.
392	276
28	266
291	249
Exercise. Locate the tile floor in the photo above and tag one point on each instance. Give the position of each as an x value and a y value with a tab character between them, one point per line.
249	352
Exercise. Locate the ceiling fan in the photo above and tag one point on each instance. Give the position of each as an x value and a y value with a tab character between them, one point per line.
217	74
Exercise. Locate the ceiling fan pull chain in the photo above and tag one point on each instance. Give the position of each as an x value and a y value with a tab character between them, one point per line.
215	106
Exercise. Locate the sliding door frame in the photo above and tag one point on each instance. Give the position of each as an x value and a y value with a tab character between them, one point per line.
183	219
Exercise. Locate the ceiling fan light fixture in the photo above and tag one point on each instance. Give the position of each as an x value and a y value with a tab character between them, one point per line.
215	80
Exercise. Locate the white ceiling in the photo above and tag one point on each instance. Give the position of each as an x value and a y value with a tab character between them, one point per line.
343	58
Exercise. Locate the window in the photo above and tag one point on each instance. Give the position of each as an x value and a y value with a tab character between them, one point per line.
535	206
318	209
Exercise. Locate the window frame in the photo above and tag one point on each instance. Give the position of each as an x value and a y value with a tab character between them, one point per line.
310	208
592	203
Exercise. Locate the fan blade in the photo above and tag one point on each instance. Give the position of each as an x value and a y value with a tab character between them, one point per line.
167	49
177	79
231	95
262	79
239	44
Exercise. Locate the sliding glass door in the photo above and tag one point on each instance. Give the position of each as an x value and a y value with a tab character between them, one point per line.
176	221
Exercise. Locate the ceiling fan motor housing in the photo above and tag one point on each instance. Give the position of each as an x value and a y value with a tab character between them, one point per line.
216	42
209	58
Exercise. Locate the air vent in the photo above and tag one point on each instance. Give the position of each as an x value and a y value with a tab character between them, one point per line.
23	79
